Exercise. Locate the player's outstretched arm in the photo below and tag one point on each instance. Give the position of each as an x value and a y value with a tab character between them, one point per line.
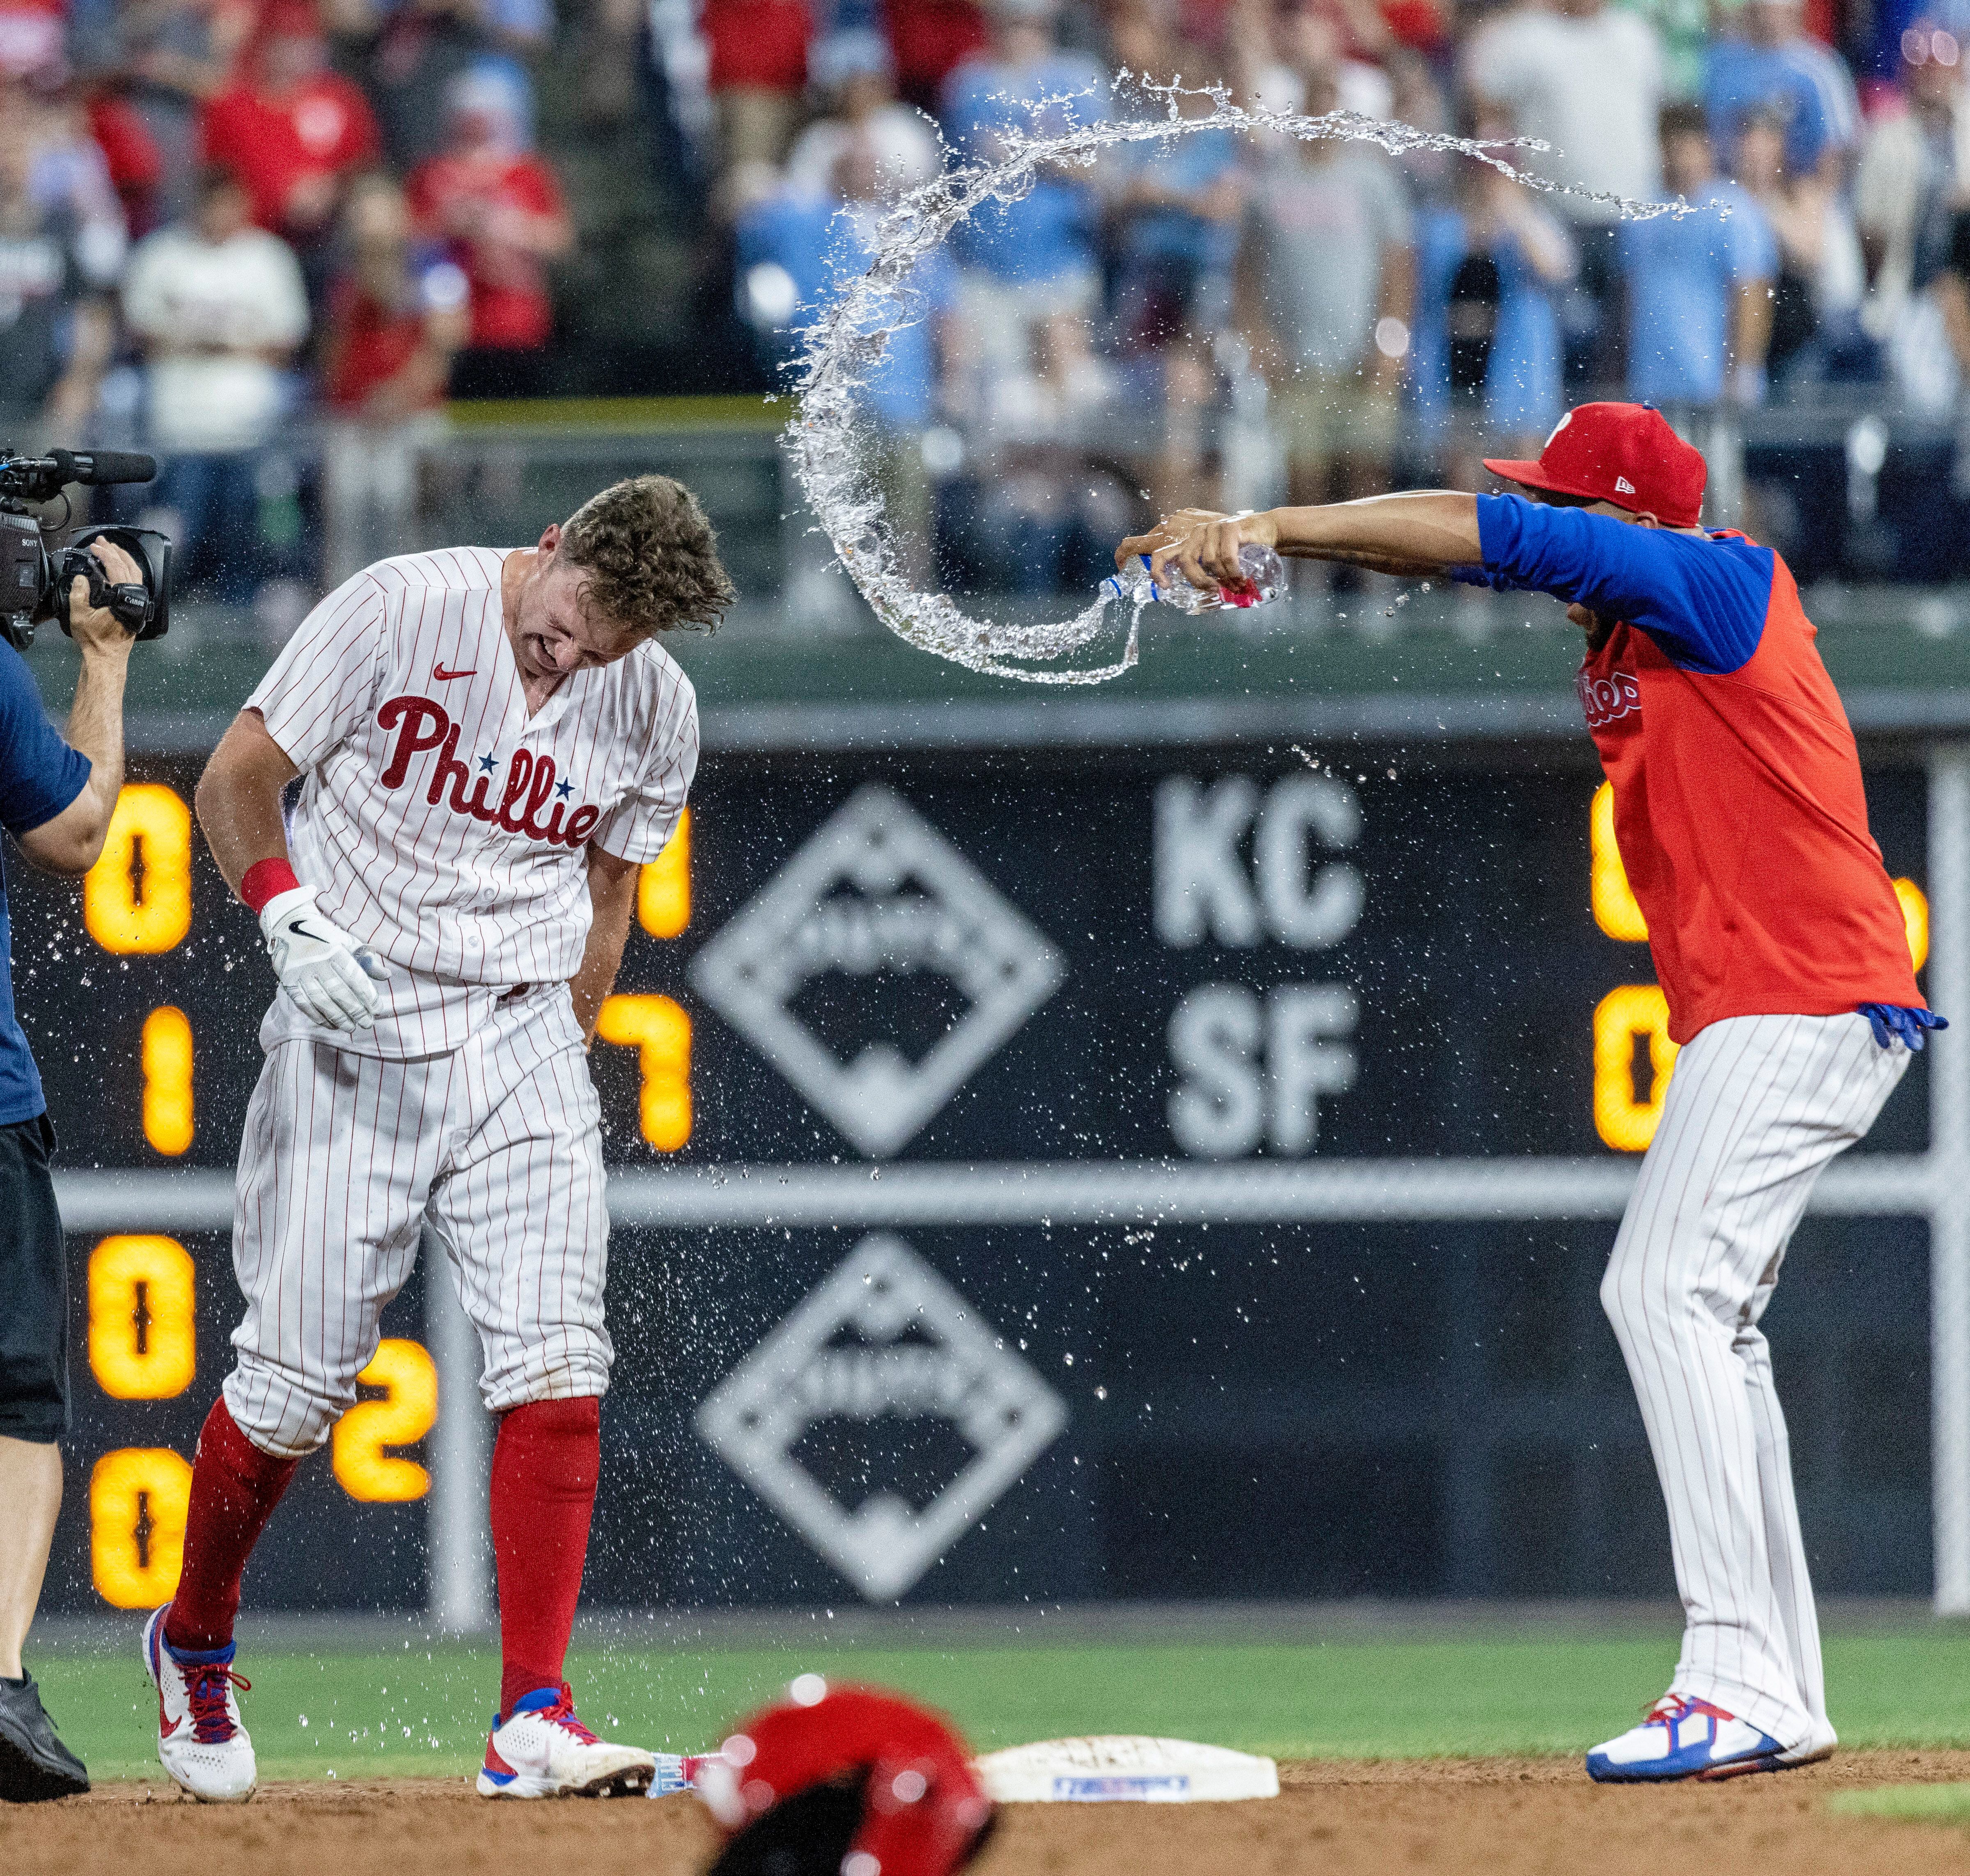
612	891
1417	535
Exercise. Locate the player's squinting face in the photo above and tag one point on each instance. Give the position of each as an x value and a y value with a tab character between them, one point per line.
556	632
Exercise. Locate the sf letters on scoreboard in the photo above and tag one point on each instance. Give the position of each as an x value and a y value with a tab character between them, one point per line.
530	783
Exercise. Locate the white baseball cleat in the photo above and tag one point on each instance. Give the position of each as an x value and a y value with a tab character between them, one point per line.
1682	1738
200	1741
539	1749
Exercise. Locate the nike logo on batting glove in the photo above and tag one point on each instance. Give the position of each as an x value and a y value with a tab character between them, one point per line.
327	975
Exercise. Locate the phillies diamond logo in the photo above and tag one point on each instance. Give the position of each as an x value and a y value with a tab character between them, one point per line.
884	1357
877	970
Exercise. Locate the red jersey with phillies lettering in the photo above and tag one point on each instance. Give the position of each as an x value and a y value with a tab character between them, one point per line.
1738	804
439	822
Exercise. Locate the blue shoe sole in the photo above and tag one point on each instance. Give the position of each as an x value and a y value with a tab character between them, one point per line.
1665	1774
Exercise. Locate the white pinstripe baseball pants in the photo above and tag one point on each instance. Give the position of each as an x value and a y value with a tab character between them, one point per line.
497	1146
1756	1107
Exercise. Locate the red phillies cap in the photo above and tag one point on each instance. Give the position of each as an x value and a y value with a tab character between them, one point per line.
849	1781
1625	454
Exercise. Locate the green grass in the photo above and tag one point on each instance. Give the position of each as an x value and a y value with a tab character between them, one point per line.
418	1710
1924	1804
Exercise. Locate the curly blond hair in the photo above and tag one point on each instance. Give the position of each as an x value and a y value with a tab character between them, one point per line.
650	555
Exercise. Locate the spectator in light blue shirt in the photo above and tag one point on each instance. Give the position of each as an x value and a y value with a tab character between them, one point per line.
1178	209
785	239
1699	286
1488	345
1776	67
796	245
1035	260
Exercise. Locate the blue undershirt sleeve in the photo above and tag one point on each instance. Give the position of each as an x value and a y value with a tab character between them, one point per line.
40	774
1703	601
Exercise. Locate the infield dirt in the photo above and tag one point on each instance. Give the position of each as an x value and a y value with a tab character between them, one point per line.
1503	1817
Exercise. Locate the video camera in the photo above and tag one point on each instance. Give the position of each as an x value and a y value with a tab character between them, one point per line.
34	579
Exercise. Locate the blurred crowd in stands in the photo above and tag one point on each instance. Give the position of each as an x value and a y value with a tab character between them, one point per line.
219	219
227	225
1393	319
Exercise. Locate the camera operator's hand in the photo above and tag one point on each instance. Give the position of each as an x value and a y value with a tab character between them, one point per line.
95	628
321	967
72	842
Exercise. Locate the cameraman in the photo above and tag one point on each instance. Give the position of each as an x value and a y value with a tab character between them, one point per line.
56	799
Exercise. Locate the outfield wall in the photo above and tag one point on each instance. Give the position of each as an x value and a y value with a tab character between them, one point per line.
1150	1167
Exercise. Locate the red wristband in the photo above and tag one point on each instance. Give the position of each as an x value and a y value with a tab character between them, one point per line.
266	879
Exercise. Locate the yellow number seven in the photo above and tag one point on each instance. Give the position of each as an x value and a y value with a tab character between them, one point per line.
659	1028
143	1342
138	896
406	1413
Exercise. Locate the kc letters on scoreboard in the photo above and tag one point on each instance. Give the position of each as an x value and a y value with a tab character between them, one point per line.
1260	868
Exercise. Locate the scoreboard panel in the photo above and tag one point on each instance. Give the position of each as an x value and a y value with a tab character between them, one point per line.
1214	956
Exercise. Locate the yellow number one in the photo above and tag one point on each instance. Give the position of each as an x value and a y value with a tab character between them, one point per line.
138	1497
663	887
660	1031
1633	1010
138	896
143	1337
167	1105
407	1412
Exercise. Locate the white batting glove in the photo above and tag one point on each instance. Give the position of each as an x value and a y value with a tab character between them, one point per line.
332	979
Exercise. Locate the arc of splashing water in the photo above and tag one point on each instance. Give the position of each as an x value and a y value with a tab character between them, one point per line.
846	341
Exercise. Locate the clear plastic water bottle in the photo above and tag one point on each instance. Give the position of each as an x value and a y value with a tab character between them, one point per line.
1264	578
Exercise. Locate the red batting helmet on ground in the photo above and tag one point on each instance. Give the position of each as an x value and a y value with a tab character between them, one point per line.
845	1782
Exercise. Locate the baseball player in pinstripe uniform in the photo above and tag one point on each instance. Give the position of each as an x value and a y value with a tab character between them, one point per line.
489	745
1780	945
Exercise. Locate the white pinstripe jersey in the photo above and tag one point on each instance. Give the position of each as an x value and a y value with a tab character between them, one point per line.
440	823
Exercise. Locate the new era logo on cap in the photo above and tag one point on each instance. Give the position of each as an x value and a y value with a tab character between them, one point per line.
1625	454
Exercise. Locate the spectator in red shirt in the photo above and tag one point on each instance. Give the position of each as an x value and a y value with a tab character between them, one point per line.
931	39
758	70
397	313
499	209
292	128
135	164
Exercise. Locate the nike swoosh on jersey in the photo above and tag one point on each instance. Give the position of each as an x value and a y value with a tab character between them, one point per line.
445	677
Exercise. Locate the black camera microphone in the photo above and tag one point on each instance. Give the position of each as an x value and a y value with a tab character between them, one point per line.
95	469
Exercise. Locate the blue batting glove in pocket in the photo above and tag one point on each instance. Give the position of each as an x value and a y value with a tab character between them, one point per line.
1891	1021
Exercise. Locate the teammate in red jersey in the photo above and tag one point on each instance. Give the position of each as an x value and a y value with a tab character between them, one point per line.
1780	946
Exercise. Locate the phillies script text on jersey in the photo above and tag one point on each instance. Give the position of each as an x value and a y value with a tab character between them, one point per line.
529	786
1604	699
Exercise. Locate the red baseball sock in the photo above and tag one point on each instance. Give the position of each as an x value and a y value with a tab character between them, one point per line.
234	1487
545	1464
